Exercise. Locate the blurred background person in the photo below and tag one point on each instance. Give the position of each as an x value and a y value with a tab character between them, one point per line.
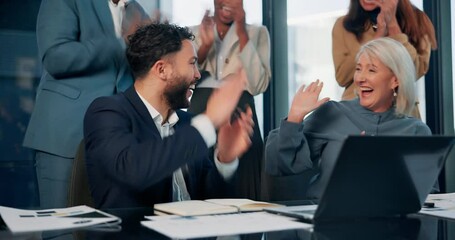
370	19
225	43
81	45
384	79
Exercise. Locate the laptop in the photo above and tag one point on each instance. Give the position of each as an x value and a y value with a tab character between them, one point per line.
378	176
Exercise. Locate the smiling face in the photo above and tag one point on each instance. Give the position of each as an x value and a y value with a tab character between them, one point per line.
223	11
369	5
375	83
183	77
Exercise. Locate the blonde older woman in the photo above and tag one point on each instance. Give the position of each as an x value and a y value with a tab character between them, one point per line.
385	81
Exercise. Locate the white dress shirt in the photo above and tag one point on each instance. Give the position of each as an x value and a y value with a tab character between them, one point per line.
205	127
117	11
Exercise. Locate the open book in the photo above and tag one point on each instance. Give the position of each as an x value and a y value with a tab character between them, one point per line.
20	221
211	206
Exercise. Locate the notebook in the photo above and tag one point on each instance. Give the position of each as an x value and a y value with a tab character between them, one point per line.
211	206
378	176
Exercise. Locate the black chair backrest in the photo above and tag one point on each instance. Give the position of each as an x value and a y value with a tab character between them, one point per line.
79	190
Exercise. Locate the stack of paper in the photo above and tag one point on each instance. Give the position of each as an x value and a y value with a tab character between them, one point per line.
19	221
444	205
184	227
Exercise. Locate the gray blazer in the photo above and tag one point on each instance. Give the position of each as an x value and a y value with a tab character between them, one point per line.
82	59
311	148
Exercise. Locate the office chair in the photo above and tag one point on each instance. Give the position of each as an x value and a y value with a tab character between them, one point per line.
284	188
79	190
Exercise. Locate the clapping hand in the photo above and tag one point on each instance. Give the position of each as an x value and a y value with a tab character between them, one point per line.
206	30
237	12
234	138
235	7
305	101
223	100
387	17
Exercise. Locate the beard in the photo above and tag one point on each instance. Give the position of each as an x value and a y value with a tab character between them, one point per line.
175	93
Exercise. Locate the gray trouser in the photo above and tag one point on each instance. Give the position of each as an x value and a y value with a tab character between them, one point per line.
53	174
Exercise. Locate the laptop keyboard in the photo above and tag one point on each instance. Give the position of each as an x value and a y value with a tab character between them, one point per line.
312	211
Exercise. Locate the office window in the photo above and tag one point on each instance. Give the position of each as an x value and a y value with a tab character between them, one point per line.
20	71
310	46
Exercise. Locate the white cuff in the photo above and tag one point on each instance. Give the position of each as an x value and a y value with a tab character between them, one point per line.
205	127
226	170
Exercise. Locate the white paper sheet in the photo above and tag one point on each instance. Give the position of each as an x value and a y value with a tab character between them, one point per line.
444	205
19	221
222	225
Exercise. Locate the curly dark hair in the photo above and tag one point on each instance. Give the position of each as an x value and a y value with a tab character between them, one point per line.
151	43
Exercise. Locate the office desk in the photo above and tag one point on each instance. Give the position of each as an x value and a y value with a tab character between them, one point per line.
412	227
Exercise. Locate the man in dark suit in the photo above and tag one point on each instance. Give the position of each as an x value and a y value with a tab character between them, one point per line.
81	44
141	149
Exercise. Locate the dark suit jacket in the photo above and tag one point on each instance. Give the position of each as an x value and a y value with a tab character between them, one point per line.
130	165
82	59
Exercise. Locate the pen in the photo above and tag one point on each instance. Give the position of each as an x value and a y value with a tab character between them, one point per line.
82	221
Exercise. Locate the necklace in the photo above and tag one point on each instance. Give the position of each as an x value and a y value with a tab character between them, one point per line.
222	31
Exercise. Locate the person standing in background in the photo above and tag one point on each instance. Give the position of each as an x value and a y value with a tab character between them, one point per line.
370	19
224	43
81	44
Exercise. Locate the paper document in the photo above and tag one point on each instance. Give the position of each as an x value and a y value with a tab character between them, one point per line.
444	205
180	227
19	220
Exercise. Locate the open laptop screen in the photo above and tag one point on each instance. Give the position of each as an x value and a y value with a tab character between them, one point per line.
383	175
378	176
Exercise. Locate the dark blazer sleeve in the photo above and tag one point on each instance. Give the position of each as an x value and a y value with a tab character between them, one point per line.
205	181
129	149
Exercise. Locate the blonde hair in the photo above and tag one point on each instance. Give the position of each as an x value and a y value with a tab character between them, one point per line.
395	56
